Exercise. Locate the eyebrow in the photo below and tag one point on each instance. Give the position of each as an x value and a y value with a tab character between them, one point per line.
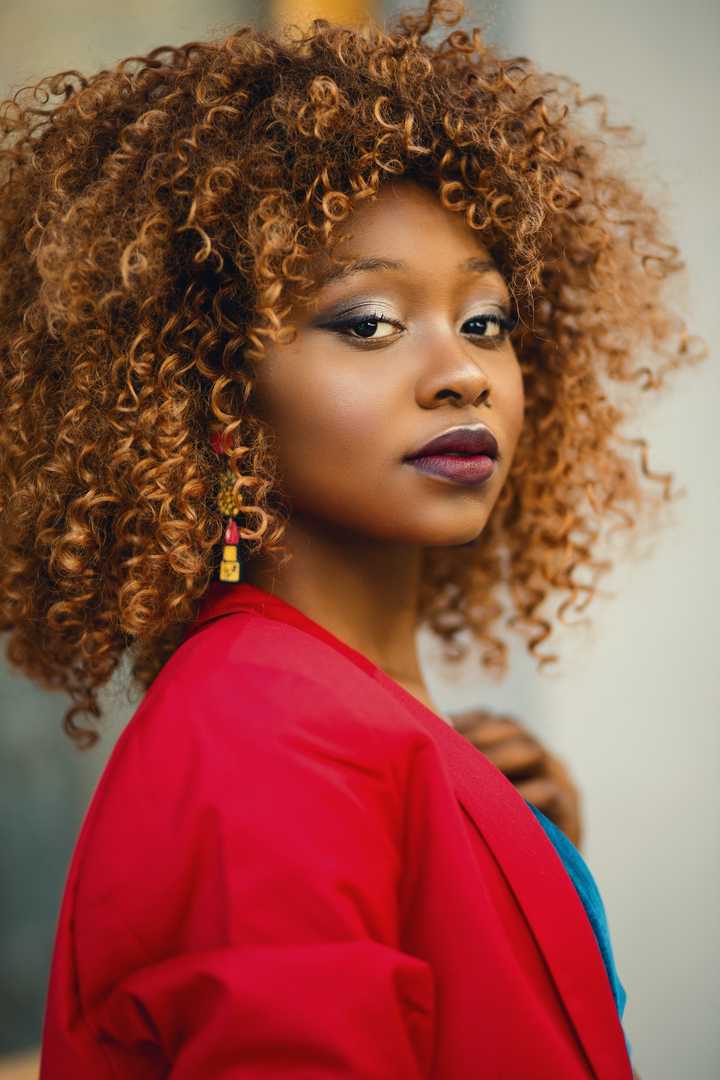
475	264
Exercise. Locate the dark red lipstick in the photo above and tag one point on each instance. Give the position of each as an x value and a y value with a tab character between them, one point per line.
465	454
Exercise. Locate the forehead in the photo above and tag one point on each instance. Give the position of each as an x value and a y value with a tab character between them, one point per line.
404	230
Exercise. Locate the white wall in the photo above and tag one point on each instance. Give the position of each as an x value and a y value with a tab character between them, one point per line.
635	707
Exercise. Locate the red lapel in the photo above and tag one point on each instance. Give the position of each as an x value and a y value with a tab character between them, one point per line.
529	861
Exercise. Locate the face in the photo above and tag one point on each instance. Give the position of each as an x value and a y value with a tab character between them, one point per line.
385	359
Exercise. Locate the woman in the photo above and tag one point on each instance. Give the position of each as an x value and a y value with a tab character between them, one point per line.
276	270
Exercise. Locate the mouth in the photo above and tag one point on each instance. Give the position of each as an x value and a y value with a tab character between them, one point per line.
465	454
459	468
466	440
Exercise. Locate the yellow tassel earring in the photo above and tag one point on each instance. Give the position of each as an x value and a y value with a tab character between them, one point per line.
229	505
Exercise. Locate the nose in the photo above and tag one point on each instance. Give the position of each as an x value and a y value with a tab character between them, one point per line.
467	384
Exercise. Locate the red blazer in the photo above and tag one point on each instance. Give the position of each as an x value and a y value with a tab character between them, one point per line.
291	867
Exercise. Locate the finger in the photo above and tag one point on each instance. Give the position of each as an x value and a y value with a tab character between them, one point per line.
543	793
491	732
469	718
571	823
517	755
465	718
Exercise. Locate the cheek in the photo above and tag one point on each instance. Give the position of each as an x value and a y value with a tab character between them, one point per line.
333	435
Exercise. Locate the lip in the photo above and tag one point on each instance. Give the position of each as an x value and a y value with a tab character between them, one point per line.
471	439
472	469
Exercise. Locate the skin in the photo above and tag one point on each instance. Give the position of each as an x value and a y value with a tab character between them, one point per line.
345	409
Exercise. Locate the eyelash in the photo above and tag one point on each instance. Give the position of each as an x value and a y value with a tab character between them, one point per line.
342	326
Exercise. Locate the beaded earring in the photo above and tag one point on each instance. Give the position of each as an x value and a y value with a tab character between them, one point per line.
230	569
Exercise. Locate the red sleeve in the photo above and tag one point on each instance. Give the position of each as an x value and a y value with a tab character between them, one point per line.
237	907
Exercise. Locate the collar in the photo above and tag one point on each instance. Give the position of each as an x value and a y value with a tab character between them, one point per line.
222	599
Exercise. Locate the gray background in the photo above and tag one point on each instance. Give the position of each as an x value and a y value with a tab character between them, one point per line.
635	703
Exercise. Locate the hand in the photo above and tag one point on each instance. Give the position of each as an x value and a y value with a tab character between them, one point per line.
537	775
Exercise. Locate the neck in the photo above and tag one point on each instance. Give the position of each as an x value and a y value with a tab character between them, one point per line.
362	590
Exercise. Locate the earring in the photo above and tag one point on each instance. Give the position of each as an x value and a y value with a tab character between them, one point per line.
230	569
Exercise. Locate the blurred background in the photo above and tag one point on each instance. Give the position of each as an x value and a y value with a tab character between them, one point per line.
633	706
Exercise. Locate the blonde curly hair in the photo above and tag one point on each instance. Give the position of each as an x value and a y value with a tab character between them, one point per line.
156	226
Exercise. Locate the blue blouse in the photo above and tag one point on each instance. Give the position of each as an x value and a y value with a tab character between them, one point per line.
588	892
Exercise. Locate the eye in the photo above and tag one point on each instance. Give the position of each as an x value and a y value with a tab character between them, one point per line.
493	325
364	326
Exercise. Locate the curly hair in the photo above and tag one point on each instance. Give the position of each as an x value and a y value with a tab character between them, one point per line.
156	227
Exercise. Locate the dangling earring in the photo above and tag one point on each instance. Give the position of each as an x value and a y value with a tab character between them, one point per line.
230	569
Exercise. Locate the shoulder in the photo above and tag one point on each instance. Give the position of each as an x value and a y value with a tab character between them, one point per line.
252	706
244	765
247	678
